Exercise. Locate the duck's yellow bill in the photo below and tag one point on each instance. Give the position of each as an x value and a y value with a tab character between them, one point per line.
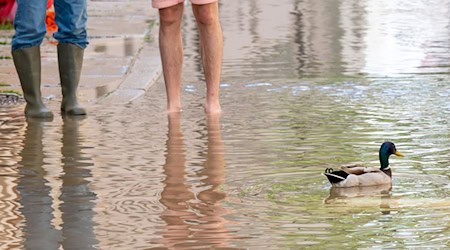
398	154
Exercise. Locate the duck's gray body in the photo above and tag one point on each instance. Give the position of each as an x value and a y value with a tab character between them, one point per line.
354	176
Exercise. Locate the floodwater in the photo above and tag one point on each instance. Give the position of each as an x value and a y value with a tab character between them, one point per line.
307	85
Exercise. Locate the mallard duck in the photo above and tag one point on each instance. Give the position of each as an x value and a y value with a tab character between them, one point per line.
354	176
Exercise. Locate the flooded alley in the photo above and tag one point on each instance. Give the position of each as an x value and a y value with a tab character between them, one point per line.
306	85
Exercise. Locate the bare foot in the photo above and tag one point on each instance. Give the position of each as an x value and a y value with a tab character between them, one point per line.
174	117
173	111
213	108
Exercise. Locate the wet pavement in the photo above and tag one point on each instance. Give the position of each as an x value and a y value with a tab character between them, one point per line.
122	55
306	86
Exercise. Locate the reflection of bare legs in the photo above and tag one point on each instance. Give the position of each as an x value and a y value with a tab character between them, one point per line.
35	193
77	199
211	43
214	169
171	48
205	225
176	193
212	229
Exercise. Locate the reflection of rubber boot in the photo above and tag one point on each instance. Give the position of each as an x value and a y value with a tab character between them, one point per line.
70	60
28	66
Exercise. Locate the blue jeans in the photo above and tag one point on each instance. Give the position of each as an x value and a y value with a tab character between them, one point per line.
29	23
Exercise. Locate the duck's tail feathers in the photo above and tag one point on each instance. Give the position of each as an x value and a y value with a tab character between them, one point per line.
335	176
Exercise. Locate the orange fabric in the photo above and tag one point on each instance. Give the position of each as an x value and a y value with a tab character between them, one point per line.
50	21
50	18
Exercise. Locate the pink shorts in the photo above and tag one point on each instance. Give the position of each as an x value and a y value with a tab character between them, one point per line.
160	4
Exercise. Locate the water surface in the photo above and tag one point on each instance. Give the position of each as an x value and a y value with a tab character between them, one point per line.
306	85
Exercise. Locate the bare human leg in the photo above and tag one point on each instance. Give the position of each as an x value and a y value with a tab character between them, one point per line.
211	45
171	49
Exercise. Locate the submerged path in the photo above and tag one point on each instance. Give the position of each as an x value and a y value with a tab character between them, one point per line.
120	63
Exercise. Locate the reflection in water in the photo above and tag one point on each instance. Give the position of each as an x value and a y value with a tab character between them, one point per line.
42	216
352	192
380	193
12	127
297	99
76	197
332	38
35	192
121	46
194	220
398	43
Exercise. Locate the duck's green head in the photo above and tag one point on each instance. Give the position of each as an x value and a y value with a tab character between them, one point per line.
387	149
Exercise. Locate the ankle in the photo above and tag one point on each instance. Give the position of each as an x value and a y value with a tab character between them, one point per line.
173	108
213	107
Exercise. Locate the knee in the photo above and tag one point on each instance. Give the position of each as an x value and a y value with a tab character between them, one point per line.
27	38
171	15
206	16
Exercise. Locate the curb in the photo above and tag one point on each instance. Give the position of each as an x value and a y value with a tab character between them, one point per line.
143	72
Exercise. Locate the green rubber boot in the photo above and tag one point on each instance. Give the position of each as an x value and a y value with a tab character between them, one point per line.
28	66
70	61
